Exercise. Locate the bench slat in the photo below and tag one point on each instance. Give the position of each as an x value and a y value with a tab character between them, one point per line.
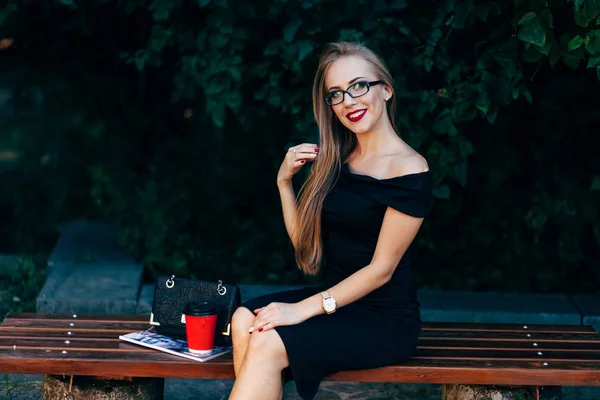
77	325
504	336
80	317
508	355
79	345
427	326
60	326
103	347
526	351
59	333
478	327
415	370
492	345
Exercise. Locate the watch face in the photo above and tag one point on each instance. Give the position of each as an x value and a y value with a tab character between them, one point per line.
329	305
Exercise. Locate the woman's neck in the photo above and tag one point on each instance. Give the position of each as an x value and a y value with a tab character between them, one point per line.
376	142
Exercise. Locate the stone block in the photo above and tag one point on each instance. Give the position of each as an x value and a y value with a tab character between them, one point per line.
493	307
85	241
589	307
91	288
144	305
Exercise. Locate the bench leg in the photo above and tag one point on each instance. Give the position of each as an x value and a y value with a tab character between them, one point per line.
477	392
65	387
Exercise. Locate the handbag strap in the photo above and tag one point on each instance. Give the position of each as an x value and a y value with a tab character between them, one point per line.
221	289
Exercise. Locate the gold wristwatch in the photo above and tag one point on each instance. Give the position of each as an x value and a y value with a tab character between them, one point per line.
329	304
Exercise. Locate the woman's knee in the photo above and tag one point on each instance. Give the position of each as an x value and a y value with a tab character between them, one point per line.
241	321
267	346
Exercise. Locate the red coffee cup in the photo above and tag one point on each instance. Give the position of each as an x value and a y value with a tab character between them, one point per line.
200	324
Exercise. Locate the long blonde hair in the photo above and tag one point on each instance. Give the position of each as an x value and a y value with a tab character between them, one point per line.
336	143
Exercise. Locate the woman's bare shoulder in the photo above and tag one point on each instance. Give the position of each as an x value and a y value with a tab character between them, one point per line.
408	163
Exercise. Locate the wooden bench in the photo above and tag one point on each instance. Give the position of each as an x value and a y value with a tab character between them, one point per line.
517	357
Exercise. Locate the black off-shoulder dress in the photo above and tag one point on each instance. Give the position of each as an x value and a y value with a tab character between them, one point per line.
381	328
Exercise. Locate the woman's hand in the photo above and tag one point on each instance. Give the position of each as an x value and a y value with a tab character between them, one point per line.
277	314
295	158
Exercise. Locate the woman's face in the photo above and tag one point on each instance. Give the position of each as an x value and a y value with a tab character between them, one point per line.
364	113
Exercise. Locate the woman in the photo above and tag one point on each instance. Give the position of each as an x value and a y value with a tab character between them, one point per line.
358	212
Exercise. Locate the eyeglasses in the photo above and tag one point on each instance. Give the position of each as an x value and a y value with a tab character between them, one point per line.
355	90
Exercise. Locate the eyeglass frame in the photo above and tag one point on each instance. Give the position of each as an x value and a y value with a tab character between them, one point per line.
344	92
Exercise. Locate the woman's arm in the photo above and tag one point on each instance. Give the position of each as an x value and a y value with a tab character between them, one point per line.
295	159
288	206
397	232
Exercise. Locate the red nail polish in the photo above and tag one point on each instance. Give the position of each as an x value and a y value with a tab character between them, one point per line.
317	150
302	161
260	329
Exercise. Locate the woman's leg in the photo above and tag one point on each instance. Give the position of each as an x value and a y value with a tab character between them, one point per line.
241	321
260	372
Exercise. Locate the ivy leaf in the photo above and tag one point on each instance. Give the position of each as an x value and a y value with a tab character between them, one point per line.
350	35
491	115
290	30
593	44
483	107
441	192
398	4
459	171
304	48
572	59
547	18
69	3
554	55
428	64
203	3
595	186
534	33
217	113
593	62
527	94
272	49
234	100
528	17
575	43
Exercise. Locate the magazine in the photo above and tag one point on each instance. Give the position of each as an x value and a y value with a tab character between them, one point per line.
150	338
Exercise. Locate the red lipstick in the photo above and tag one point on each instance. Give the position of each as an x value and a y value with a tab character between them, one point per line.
356	115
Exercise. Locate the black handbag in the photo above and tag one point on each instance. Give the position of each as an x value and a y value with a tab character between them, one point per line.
171	295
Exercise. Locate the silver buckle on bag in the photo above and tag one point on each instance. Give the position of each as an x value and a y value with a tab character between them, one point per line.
221	289
170	282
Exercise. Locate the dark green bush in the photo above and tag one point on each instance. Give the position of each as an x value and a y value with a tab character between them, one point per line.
172	117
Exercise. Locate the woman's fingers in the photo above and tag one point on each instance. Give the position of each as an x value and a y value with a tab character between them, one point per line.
267	326
306	156
260	321
260	324
304	148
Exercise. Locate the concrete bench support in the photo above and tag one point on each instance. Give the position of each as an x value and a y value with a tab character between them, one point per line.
477	392
61	387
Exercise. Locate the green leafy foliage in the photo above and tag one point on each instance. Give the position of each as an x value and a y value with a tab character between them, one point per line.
172	118
20	285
